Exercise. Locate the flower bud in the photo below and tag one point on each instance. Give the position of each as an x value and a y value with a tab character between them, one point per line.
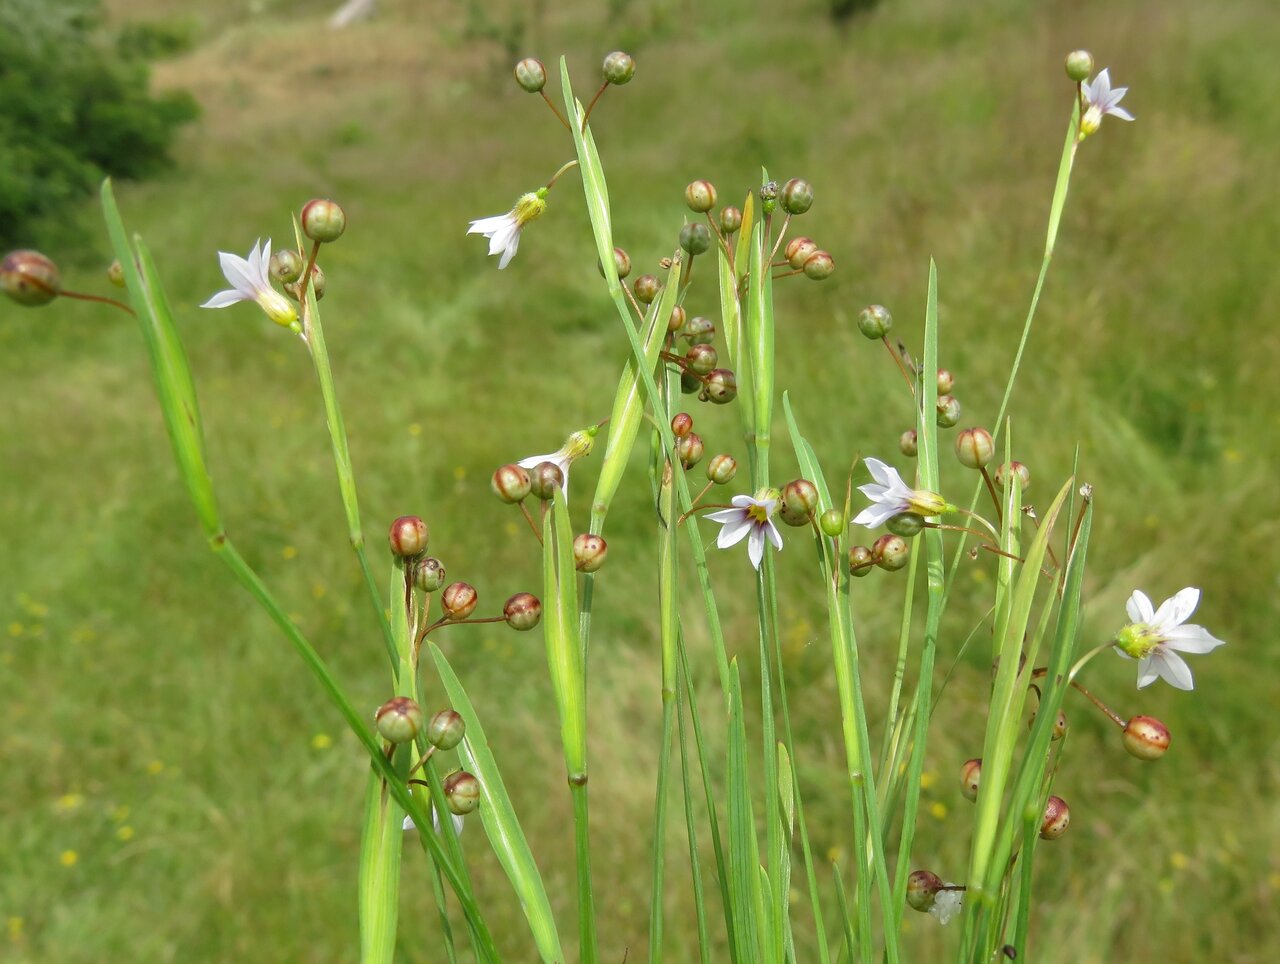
975	447
730	219
1057	817
510	483
721	386
459	600
701	359
819	266
677	319
860	561
618	68
798	250
970	775
408	537
398	719
115	274
589	552
948	411
621	263
286	265
689	450
699	331
428	574
922	889
905	524
318	284
531	75
461	792
522	611
544	479
722	468
890	552
647	287
831	523
769	197
875	322
681	424
1023	473
29	278
446	729
323	220
907	443
799	502
695	238
946	381
1079	65
797	196
700	196
1146	737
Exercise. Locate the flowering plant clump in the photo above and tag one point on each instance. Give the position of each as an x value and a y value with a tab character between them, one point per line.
422	766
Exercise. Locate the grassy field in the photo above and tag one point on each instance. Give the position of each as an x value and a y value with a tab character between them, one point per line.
175	788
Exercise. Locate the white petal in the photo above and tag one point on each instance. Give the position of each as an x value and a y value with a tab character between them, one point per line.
1139	607
1172	667
487	226
743	501
513	245
1102	86
1148	673
500	238
1120	112
533	460
407	823
1191	638
882	473
774	535
726	515
875	515
755	546
734	532
564	475
264	262
874	491
1177	609
225	299
239	273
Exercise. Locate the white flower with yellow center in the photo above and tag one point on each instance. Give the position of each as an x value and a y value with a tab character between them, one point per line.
1156	636
1099	100
575	447
891	496
250	281
503	230
751	518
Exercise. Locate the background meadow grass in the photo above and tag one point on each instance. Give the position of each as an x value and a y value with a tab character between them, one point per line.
176	788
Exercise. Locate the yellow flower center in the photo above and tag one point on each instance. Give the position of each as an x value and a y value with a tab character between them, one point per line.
1138	640
277	307
530	206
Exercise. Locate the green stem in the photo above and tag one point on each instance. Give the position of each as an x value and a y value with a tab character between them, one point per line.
588	950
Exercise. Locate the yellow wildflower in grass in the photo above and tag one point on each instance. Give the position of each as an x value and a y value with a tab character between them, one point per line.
69	801
155	767
289	552
68	858
938	810
1178	860
321	741
124	833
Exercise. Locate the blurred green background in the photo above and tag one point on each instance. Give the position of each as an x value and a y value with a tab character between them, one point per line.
176	788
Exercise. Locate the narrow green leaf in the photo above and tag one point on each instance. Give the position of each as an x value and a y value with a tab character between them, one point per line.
745	893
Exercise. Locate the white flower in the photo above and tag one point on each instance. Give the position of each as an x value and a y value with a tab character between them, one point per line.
891	496
503	230
1156	636
751	519
575	447
456	820
1100	99
250	281
947	903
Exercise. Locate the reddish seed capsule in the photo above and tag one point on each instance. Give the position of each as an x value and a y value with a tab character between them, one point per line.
510	483
647	287
721	386
701	359
797	196
446	729
861	561
676	321
699	331
323	220
798	250
461	792
589	552
428	574
946	381
700	196
948	411
1023	473
398	719
922	889
689	449
29	278
721	469
907	443
1057	817
1146	737
730	219
890	552
799	502
544	479
681	424
970	775
523	611
819	266
408	537
975	447
459	600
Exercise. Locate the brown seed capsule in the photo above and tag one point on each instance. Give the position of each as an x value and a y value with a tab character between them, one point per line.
29	278
459	600
408	537
922	889
701	359
798	250
1057	817
797	196
730	219
510	483
522	611
544	479
721	386
428	574
446	729
286	265
398	719
681	424
970	776
676	321
621	264
323	220
890	552
946	381
647	287
689	449
948	411
700	196
721	469
461	792
589	552
799	502
861	561
1146	737
975	447
819	266
1023	473
699	331
907	443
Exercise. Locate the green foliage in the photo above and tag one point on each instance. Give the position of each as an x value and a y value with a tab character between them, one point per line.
73	110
